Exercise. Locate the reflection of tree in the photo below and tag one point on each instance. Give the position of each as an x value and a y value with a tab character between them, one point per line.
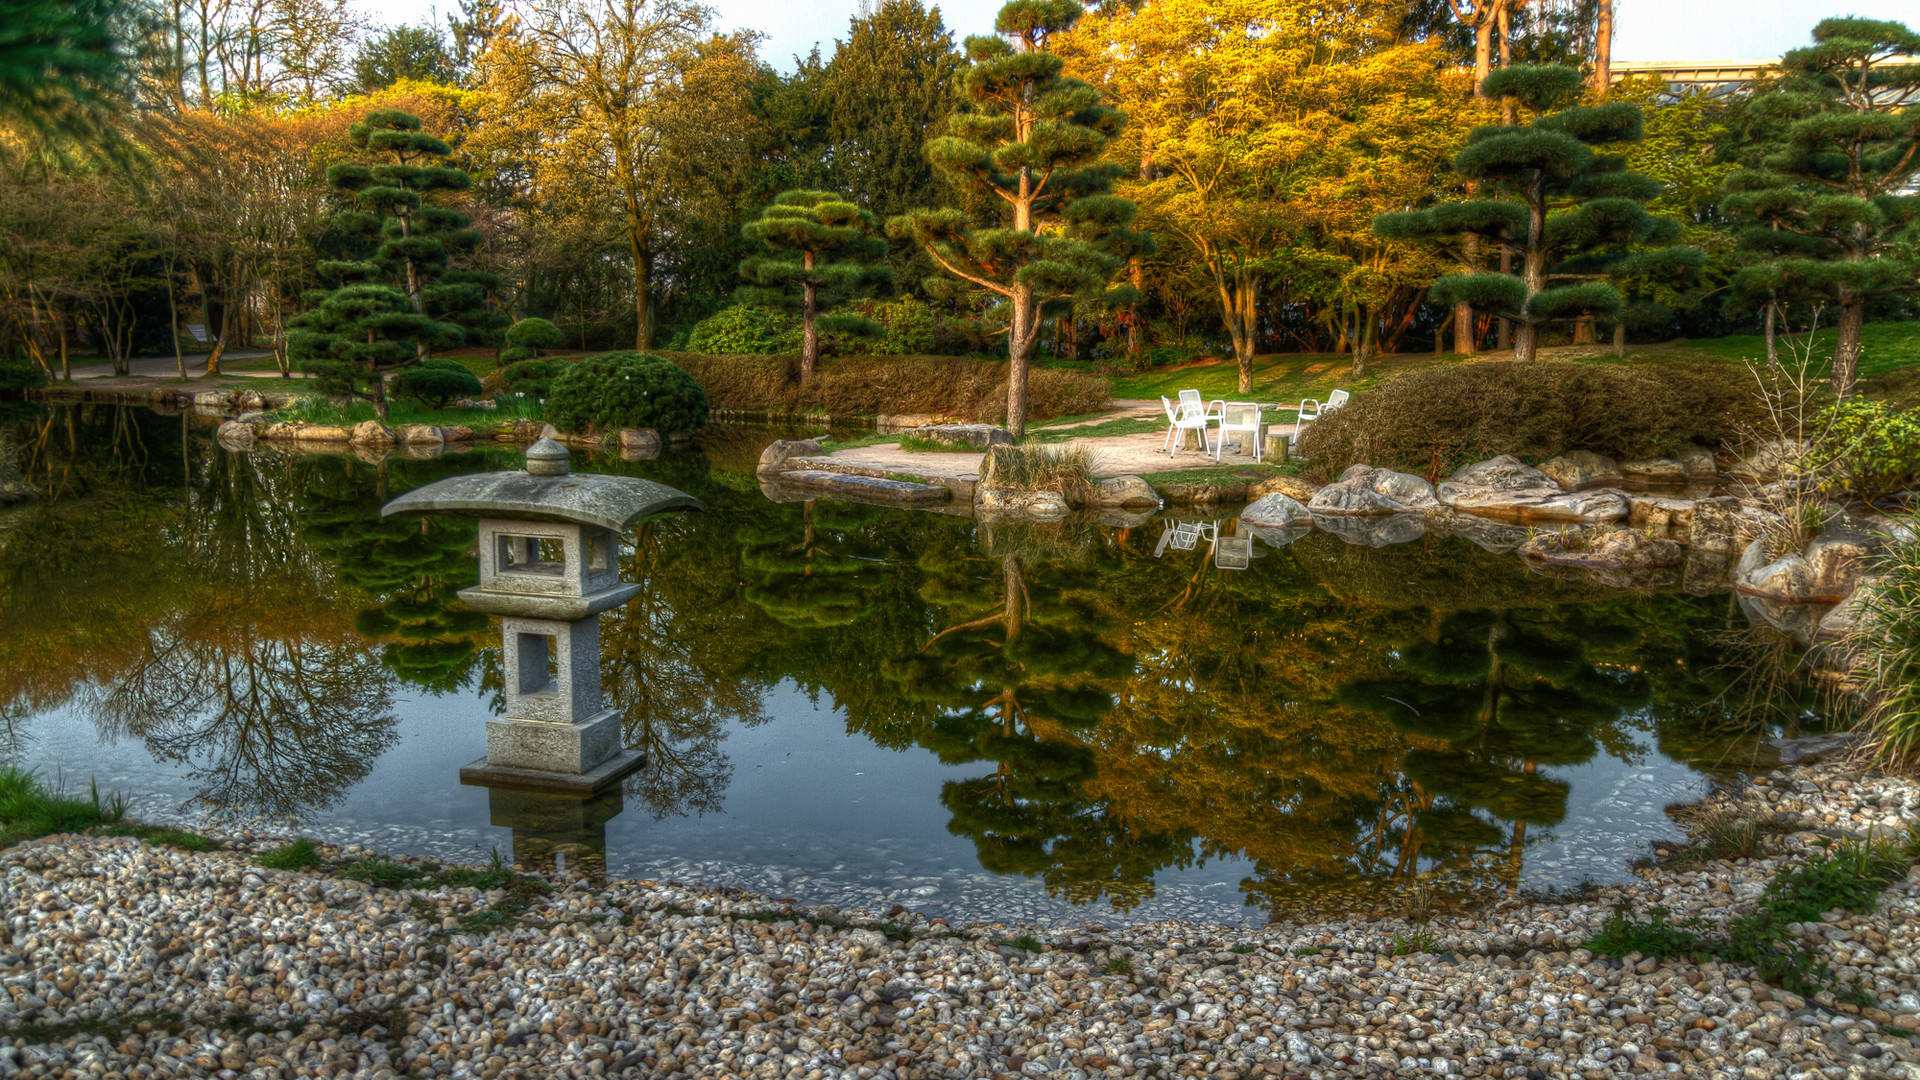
276	708
816	571
678	660
1494	696
412	568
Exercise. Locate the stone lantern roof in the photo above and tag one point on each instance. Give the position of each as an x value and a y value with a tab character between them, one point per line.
546	491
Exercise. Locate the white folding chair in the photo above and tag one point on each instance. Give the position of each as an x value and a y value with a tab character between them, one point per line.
1182	418
1243	417
1307	416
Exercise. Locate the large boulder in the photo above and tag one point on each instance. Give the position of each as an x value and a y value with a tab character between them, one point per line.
419	435
1769	461
979	436
301	431
1689	465
372	433
1579	470
1205	491
1298	488
1125	491
1842	552
1507	489
1363	490
1791	578
1275	511
1716	525
1659	513
775	457
641	439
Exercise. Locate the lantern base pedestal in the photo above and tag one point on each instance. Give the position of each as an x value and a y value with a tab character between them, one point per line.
591	782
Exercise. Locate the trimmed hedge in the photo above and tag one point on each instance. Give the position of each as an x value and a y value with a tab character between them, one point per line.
871	385
625	390
1434	420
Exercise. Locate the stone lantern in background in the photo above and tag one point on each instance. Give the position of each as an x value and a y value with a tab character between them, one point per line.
549	565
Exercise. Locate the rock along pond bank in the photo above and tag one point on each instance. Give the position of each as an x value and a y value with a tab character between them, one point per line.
128	960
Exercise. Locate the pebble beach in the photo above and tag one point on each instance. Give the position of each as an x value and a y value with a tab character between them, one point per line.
125	959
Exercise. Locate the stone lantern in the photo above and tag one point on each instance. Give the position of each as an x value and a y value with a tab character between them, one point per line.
549	565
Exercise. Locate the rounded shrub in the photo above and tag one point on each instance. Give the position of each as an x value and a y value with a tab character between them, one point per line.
533	378
534	334
436	381
625	390
1434	420
743	328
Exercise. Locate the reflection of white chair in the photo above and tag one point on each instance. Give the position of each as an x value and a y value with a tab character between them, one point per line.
1187	534
1233	552
1242	417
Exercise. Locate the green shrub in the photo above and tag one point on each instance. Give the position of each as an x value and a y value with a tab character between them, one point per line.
1886	639
745	329
1433	420
296	855
436	381
21	373
912	329
626	390
535	334
1874	447
531	378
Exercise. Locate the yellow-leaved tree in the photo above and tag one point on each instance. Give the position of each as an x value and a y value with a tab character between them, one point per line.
1245	115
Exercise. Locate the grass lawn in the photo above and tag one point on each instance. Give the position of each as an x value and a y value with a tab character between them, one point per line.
1131	425
1889	363
406	411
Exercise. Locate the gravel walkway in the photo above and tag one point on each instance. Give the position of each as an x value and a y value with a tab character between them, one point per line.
129	960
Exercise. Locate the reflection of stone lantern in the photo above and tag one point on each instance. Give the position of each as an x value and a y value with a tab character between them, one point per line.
549	565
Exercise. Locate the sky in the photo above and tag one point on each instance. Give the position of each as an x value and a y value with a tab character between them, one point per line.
1644	29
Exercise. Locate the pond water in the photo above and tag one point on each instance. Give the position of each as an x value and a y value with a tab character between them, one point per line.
848	704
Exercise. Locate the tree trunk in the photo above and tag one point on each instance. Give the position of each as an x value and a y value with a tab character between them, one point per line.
1846	345
173	326
809	333
377	390
1773	342
1363	342
1482	56
1020	335
1244	347
1526	343
1603	49
1440	336
1583	331
1464	342
642	286
1620	339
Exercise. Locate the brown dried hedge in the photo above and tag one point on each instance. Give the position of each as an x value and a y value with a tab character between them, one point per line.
1434	420
945	386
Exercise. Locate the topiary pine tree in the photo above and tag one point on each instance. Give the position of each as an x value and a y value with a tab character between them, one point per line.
1830	213
400	299
1570	216
822	247
1034	140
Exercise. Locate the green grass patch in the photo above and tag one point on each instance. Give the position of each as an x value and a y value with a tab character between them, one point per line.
1850	877
495	875
380	870
1064	421
1421	940
916	445
1126	425
1884	347
296	855
1119	965
870	438
161	836
1025	943
29	808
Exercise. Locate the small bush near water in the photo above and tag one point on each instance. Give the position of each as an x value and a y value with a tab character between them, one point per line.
1434	420
436	381
1065	469
626	390
1886	643
871	385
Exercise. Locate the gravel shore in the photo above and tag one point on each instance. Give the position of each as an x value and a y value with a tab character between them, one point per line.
125	960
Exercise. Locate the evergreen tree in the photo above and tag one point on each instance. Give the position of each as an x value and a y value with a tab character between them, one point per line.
399	299
402	52
1829	204
1571	216
472	31
821	245
1035	139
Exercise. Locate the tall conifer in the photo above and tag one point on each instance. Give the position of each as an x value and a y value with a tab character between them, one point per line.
822	251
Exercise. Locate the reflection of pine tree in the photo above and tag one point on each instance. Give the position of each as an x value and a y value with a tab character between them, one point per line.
1020	684
817	568
412	568
1496	695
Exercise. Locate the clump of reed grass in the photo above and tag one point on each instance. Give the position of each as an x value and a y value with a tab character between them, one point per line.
1885	643
1066	469
29	807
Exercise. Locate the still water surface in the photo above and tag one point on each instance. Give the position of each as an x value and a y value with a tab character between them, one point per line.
848	704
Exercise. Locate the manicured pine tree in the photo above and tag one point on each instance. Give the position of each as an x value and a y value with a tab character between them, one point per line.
823	247
1033	140
1571	216
399	299
1829	206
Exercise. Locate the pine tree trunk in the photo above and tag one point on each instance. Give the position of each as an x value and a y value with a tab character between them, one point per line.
1773	343
809	333
1464	342
1620	338
377	390
1846	346
1363	342
1020	335
1526	343
1243	345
